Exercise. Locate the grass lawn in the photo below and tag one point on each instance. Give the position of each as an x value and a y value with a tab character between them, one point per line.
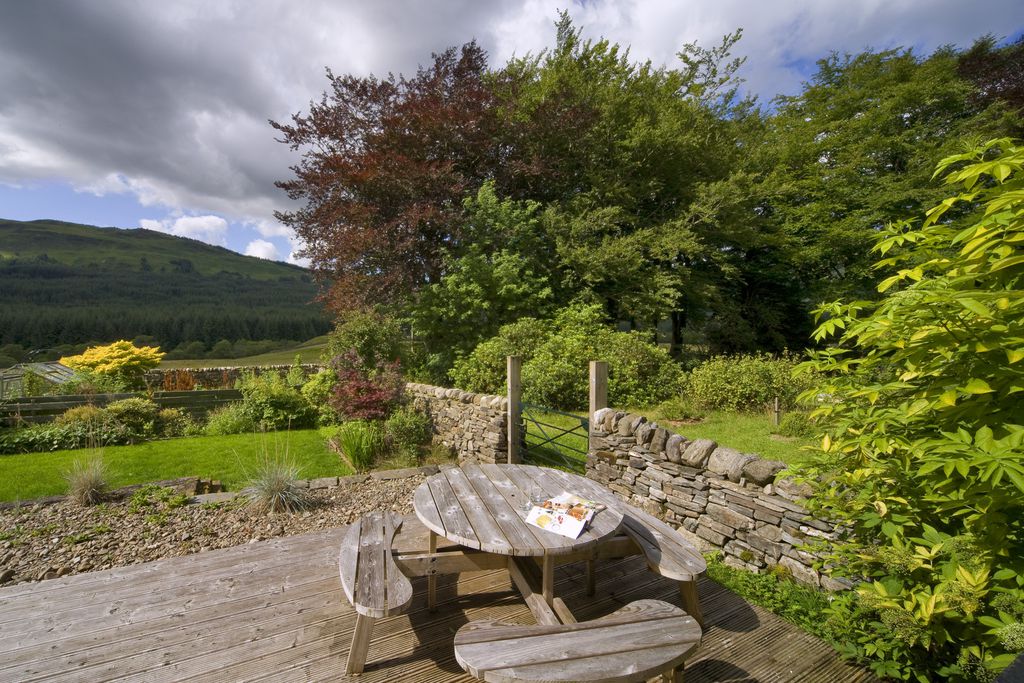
309	352
227	458
746	432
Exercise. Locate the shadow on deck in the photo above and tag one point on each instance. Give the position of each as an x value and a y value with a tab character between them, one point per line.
274	611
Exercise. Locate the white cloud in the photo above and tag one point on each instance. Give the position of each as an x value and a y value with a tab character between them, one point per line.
295	260
263	249
209	229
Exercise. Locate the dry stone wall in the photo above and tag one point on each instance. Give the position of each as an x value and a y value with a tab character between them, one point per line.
473	425
717	496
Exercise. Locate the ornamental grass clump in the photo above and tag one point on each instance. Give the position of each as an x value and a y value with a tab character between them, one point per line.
273	486
87	479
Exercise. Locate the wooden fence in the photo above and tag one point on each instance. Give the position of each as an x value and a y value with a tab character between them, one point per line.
39	409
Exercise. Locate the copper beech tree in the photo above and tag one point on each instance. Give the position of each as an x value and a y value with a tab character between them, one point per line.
385	165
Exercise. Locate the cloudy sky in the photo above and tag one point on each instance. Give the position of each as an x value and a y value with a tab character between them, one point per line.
154	114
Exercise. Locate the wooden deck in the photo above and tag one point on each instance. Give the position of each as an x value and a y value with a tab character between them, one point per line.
274	611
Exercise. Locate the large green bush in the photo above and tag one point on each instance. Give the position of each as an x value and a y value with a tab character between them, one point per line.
317	392
271	403
924	456
745	383
139	415
556	356
229	419
484	370
407	429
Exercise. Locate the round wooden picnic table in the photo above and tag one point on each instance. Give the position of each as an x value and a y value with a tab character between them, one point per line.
484	507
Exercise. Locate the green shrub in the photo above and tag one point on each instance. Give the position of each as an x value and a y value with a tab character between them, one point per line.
91	383
556	357
87	480
370	334
89	415
33	385
317	392
678	408
745	383
484	370
407	430
57	437
171	422
139	415
923	460
229	419
271	404
361	443
798	424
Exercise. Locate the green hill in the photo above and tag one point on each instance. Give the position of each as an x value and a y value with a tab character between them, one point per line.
64	283
90	247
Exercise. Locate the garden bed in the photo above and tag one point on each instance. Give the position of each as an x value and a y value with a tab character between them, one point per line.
39	542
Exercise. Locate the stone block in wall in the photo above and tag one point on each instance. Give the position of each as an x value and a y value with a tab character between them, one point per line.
697	453
710	535
672	450
762	472
644	433
729	517
728	462
658	475
659	439
770	548
791	490
600	414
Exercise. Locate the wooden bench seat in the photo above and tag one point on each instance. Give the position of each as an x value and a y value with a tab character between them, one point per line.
643	639
370	578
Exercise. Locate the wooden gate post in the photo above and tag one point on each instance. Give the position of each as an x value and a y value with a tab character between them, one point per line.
598	392
514	414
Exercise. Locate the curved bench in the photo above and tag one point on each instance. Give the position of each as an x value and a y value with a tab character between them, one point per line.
643	639
372	581
667	552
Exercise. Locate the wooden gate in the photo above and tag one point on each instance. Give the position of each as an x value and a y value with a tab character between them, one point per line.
554	439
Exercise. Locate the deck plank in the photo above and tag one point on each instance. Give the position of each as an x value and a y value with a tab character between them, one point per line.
274	611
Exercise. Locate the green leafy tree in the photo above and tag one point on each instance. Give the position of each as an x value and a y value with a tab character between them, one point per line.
501	276
855	150
924	458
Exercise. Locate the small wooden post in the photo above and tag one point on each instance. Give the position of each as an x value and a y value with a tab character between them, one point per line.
514	414
777	418
598	386
598	394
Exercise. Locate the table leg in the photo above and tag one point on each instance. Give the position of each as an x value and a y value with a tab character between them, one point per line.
432	578
547	581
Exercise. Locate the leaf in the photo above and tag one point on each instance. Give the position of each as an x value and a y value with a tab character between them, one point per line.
978	386
949	397
1014	355
976	307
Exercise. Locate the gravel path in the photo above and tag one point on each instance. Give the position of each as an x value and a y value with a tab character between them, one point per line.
46	541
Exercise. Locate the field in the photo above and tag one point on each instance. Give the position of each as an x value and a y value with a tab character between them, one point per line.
231	459
308	352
